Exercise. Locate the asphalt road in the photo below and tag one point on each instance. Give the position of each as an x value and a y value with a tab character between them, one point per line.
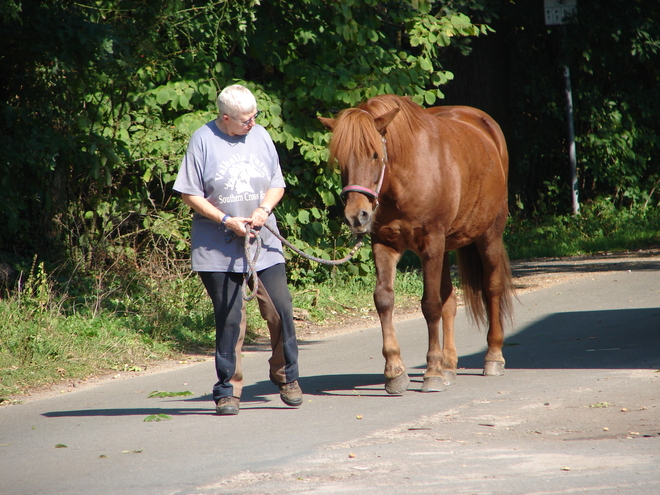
578	410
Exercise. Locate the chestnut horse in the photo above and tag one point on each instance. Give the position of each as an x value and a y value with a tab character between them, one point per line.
431	181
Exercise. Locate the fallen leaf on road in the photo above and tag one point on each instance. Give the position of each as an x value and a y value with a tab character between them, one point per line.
157	417
159	394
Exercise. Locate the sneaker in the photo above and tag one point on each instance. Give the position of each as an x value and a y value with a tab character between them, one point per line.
291	393
228	406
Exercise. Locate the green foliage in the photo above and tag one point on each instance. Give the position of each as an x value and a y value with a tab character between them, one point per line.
613	52
9	10
102	97
617	57
105	98
601	227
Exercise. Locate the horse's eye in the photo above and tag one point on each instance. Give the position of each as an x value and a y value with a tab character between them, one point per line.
375	156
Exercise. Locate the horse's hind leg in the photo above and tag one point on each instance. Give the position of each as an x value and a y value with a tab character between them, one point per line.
498	292
449	304
396	377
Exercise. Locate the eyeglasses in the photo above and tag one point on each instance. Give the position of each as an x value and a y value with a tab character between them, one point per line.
249	121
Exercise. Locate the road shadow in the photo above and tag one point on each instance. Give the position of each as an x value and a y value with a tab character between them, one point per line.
257	395
157	408
344	385
608	339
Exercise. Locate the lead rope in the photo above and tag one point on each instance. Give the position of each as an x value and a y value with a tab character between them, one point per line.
251	273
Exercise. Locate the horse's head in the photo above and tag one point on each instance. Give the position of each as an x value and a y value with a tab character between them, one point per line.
358	146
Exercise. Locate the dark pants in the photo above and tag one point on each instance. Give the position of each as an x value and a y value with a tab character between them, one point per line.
230	323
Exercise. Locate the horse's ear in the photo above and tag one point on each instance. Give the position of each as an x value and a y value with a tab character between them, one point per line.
384	120
329	123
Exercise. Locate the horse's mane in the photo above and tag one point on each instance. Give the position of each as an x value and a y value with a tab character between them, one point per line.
355	134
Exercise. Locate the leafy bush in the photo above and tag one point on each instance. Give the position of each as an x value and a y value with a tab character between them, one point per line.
601	227
104	100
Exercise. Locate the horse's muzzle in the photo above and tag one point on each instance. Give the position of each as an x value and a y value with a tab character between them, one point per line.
360	221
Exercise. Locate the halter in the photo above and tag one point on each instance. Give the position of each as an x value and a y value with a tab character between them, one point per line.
365	190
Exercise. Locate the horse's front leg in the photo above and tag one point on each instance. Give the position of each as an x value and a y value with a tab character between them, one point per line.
436	271
386	258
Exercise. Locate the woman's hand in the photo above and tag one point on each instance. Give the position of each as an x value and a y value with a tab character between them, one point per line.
238	225
259	217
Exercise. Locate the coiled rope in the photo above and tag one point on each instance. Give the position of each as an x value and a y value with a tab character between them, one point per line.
251	273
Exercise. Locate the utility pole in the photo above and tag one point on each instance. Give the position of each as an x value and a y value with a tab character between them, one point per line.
572	159
556	11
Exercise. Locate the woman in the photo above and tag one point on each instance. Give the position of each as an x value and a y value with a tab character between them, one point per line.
231	177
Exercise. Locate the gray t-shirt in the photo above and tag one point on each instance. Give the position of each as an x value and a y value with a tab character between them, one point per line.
233	173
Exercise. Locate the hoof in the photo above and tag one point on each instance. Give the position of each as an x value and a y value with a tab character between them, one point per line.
450	377
398	385
433	384
493	368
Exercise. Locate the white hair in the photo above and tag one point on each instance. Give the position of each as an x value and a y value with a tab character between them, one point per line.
236	100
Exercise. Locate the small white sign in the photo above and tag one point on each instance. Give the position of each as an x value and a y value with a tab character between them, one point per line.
556	11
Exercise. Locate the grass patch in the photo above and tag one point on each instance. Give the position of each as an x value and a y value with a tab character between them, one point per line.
40	348
52	331
599	228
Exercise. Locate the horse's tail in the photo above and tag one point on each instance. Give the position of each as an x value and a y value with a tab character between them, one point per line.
471	274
